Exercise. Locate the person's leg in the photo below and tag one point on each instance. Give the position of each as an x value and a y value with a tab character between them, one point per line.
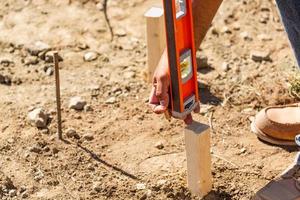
290	14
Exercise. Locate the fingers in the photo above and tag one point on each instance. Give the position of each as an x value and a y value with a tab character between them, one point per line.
188	120
197	108
158	106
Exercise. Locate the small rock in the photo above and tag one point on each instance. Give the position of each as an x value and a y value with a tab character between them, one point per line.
31	60
140	186
6	62
5	80
129	74
88	136
77	103
71	133
236	26
38	118
264	37
245	35
120	32
161	182
24	195
111	100
12	193
55	150
37	48
225	66
90	56
99	6
35	149
49	70
243	150
226	29
49	57
87	108
97	186
159	145
259	56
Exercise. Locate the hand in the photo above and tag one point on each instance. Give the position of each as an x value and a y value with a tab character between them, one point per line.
159	96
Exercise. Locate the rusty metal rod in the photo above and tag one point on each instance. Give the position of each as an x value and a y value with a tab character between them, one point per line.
58	104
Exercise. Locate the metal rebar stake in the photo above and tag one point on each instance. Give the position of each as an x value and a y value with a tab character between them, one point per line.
58	104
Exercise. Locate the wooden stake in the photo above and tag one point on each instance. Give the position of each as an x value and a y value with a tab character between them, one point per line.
156	38
58	104
197	142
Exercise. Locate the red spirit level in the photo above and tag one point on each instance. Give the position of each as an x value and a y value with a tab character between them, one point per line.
182	57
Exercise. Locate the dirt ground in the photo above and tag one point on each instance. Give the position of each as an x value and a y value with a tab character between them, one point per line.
122	150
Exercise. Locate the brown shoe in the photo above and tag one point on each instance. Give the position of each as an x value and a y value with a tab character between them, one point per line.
286	187
278	124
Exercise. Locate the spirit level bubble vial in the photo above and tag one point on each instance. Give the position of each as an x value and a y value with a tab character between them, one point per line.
181	56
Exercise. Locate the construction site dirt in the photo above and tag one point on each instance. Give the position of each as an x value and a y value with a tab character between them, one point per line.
114	146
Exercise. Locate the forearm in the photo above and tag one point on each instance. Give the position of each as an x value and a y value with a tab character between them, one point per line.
203	13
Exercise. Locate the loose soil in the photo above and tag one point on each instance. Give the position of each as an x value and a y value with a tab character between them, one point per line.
122	160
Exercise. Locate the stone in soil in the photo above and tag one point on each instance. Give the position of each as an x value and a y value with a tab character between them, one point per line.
159	145
259	56
225	66
35	149
49	70
97	186
111	100
120	32
87	108
38	118
5	80
71	133
90	56
37	48
49	57
77	103
31	60
88	136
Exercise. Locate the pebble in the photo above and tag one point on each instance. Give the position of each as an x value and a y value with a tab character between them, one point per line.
77	103
99	6
259	56
90	56
97	186
226	29
120	32
159	145
264	37
140	186
129	75
35	149
111	100
31	60
55	150
71	133
88	136
49	70
38	118
49	57
5	80
37	48
6	62
245	35
87	108
225	66
12	193
243	150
